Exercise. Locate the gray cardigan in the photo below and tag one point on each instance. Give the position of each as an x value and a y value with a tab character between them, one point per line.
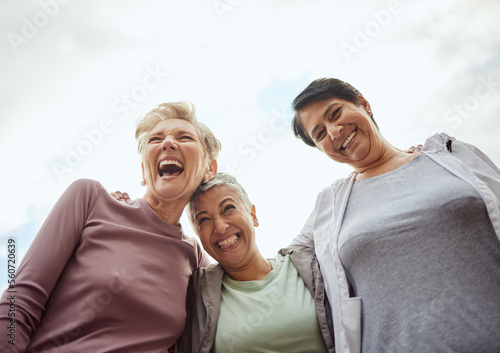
323	226
204	297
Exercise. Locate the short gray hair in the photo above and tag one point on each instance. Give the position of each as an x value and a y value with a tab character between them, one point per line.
220	179
175	110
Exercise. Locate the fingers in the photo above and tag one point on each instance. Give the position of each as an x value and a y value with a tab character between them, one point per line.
415	149
122	197
126	198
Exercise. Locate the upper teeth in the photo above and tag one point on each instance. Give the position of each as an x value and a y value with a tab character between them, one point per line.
348	139
229	241
171	161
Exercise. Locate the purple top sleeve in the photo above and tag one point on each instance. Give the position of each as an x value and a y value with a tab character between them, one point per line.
100	275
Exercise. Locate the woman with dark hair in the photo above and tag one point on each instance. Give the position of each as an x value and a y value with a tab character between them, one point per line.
408	244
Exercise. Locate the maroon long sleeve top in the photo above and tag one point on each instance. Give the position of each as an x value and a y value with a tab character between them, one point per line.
100	276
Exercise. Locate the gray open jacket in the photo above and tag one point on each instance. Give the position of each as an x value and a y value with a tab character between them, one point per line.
204	298
323	227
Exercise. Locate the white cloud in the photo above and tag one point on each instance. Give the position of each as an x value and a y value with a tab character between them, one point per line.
65	80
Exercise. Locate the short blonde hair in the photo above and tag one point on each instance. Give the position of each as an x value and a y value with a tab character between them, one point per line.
175	110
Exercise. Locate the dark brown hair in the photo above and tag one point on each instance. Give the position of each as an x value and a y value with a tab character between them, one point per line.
320	89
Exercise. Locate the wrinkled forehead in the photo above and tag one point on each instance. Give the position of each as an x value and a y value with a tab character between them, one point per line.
173	125
214	197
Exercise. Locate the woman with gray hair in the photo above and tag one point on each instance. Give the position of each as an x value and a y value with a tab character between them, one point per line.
247	303
105	276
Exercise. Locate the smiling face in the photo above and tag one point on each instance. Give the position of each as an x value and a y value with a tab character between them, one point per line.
174	162
226	227
343	131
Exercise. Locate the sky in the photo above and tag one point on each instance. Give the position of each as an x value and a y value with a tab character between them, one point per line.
75	75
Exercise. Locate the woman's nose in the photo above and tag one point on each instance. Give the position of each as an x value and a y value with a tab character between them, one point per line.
334	131
221	226
169	144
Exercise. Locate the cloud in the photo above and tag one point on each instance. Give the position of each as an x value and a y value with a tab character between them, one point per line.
66	80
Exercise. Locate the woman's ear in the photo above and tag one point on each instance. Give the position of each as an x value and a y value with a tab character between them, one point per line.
364	103
143	182
212	170
254	216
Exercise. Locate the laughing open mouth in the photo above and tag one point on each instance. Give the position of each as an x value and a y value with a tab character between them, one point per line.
170	167
226	243
348	139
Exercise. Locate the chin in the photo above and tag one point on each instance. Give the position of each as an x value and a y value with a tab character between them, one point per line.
170	192
230	263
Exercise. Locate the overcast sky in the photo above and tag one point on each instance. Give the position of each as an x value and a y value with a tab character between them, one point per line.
76	74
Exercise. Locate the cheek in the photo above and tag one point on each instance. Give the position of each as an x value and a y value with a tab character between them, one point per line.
196	163
200	156
204	236
325	146
148	170
148	163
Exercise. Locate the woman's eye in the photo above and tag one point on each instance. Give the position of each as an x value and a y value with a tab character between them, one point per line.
335	114
186	137
228	208
320	135
154	138
202	220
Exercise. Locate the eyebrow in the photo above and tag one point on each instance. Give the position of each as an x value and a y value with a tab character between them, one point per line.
180	130
221	203
176	132
325	113
183	131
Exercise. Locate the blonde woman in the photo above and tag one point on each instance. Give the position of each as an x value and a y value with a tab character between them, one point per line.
105	276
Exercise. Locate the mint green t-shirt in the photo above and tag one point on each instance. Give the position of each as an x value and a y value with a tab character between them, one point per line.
276	314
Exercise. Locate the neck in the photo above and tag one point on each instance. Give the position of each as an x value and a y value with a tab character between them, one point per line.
256	270
389	159
170	212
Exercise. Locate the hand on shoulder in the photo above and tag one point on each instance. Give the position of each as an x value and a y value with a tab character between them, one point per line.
121	196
